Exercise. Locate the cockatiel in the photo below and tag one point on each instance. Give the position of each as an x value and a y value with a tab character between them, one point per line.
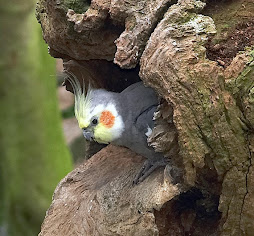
123	119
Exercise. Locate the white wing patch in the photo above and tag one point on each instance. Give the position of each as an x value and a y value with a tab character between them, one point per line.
148	132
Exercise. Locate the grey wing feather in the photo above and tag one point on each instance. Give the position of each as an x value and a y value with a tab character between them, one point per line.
139	99
145	121
137	105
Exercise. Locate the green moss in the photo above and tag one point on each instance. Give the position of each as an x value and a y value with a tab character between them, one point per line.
185	17
79	6
251	95
243	89
244	82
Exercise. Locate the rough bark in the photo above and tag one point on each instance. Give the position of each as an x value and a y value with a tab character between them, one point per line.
204	124
110	206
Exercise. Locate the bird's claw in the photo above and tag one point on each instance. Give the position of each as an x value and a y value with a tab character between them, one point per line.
148	167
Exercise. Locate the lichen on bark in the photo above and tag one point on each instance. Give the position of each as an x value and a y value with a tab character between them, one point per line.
204	124
206	113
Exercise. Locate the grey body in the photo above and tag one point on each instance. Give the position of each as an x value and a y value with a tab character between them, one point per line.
136	105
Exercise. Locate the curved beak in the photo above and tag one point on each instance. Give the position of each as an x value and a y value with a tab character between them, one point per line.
88	135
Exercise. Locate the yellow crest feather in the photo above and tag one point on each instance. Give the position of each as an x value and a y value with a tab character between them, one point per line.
82	100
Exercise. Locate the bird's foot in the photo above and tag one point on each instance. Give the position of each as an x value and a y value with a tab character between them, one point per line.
148	167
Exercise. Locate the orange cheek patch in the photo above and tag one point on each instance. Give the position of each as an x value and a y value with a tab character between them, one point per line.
107	119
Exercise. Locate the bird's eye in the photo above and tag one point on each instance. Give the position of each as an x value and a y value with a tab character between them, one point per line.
95	121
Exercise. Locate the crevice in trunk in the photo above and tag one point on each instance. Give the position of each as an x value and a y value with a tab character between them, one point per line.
102	74
194	212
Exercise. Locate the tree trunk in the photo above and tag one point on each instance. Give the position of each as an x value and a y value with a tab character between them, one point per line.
199	58
33	154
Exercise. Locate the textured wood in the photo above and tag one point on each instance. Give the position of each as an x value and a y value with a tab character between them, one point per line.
190	54
98	198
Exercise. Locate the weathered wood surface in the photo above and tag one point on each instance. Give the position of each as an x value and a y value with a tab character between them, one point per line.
98	198
190	54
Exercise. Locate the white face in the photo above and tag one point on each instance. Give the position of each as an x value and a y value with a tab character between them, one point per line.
95	112
109	125
101	122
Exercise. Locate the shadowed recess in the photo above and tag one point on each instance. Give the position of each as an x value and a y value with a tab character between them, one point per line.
191	213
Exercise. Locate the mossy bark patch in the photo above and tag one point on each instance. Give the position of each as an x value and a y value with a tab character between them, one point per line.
205	121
